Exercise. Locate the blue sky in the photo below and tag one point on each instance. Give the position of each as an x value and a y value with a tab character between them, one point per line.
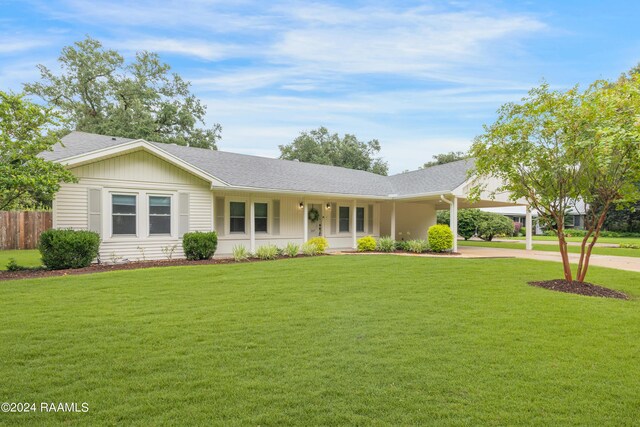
422	77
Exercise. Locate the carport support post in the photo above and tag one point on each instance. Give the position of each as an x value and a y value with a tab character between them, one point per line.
354	218
529	232
393	220
252	227
453	222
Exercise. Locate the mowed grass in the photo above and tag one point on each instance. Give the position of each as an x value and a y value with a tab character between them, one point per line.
336	340
25	258
551	248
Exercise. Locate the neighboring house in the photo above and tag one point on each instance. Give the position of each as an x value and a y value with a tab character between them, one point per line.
574	219
143	196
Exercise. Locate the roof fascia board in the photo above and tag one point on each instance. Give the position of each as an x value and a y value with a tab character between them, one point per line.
299	193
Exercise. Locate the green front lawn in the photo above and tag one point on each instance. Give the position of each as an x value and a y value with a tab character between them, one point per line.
336	340
551	248
25	258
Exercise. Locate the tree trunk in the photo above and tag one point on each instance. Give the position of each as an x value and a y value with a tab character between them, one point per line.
564	253
582	270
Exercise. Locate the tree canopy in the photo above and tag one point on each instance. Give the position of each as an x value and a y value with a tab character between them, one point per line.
325	148
26	130
557	148
96	91
443	158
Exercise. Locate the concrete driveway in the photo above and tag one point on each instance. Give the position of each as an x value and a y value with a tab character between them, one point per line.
617	262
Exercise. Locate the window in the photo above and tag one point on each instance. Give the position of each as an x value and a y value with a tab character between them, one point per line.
360	220
123	212
261	210
236	217
343	219
159	215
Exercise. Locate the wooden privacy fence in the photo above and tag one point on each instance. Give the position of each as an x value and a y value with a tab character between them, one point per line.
21	230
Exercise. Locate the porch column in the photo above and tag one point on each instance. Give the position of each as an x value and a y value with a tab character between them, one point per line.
353	224
393	220
453	222
528	223
305	223
252	227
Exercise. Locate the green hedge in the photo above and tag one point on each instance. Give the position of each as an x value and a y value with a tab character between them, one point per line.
366	244
199	245
62	249
440	238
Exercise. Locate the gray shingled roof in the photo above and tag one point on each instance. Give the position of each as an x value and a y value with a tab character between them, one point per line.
240	170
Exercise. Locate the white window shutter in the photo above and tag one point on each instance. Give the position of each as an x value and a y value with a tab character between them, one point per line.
275	226
95	210
218	212
183	214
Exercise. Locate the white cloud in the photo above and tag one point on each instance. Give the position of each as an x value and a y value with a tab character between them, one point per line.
15	44
188	47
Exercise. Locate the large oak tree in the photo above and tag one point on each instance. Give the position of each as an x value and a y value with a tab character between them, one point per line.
325	148
98	92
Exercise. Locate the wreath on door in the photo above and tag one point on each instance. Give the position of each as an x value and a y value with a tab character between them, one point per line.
313	215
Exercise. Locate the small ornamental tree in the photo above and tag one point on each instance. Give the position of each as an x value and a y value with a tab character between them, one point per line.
490	225
26	130
557	149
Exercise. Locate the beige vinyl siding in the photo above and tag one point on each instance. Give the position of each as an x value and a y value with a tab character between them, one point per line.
143	174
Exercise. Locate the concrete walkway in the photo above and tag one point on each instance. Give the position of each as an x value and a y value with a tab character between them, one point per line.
617	262
551	242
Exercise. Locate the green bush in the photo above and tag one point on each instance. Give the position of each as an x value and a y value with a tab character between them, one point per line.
492	224
386	244
622	245
467	221
291	250
240	253
402	245
199	245
267	252
523	231
418	246
366	244
62	249
310	249
320	243
440	238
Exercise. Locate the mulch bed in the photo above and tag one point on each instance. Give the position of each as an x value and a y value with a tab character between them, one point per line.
99	268
580	288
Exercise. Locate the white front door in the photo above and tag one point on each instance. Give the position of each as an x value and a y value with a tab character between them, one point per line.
314	227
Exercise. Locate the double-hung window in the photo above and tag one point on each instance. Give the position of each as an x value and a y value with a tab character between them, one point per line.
159	215
123	214
360	220
261	218
343	219
237	217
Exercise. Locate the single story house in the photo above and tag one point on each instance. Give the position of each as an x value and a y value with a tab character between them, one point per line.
142	196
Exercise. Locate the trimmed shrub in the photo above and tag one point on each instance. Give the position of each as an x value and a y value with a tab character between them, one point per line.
386	244
199	245
320	243
467	221
402	245
366	244
267	252
516	229
310	249
493	224
440	238
240	253
62	249
523	230
417	246
291	250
